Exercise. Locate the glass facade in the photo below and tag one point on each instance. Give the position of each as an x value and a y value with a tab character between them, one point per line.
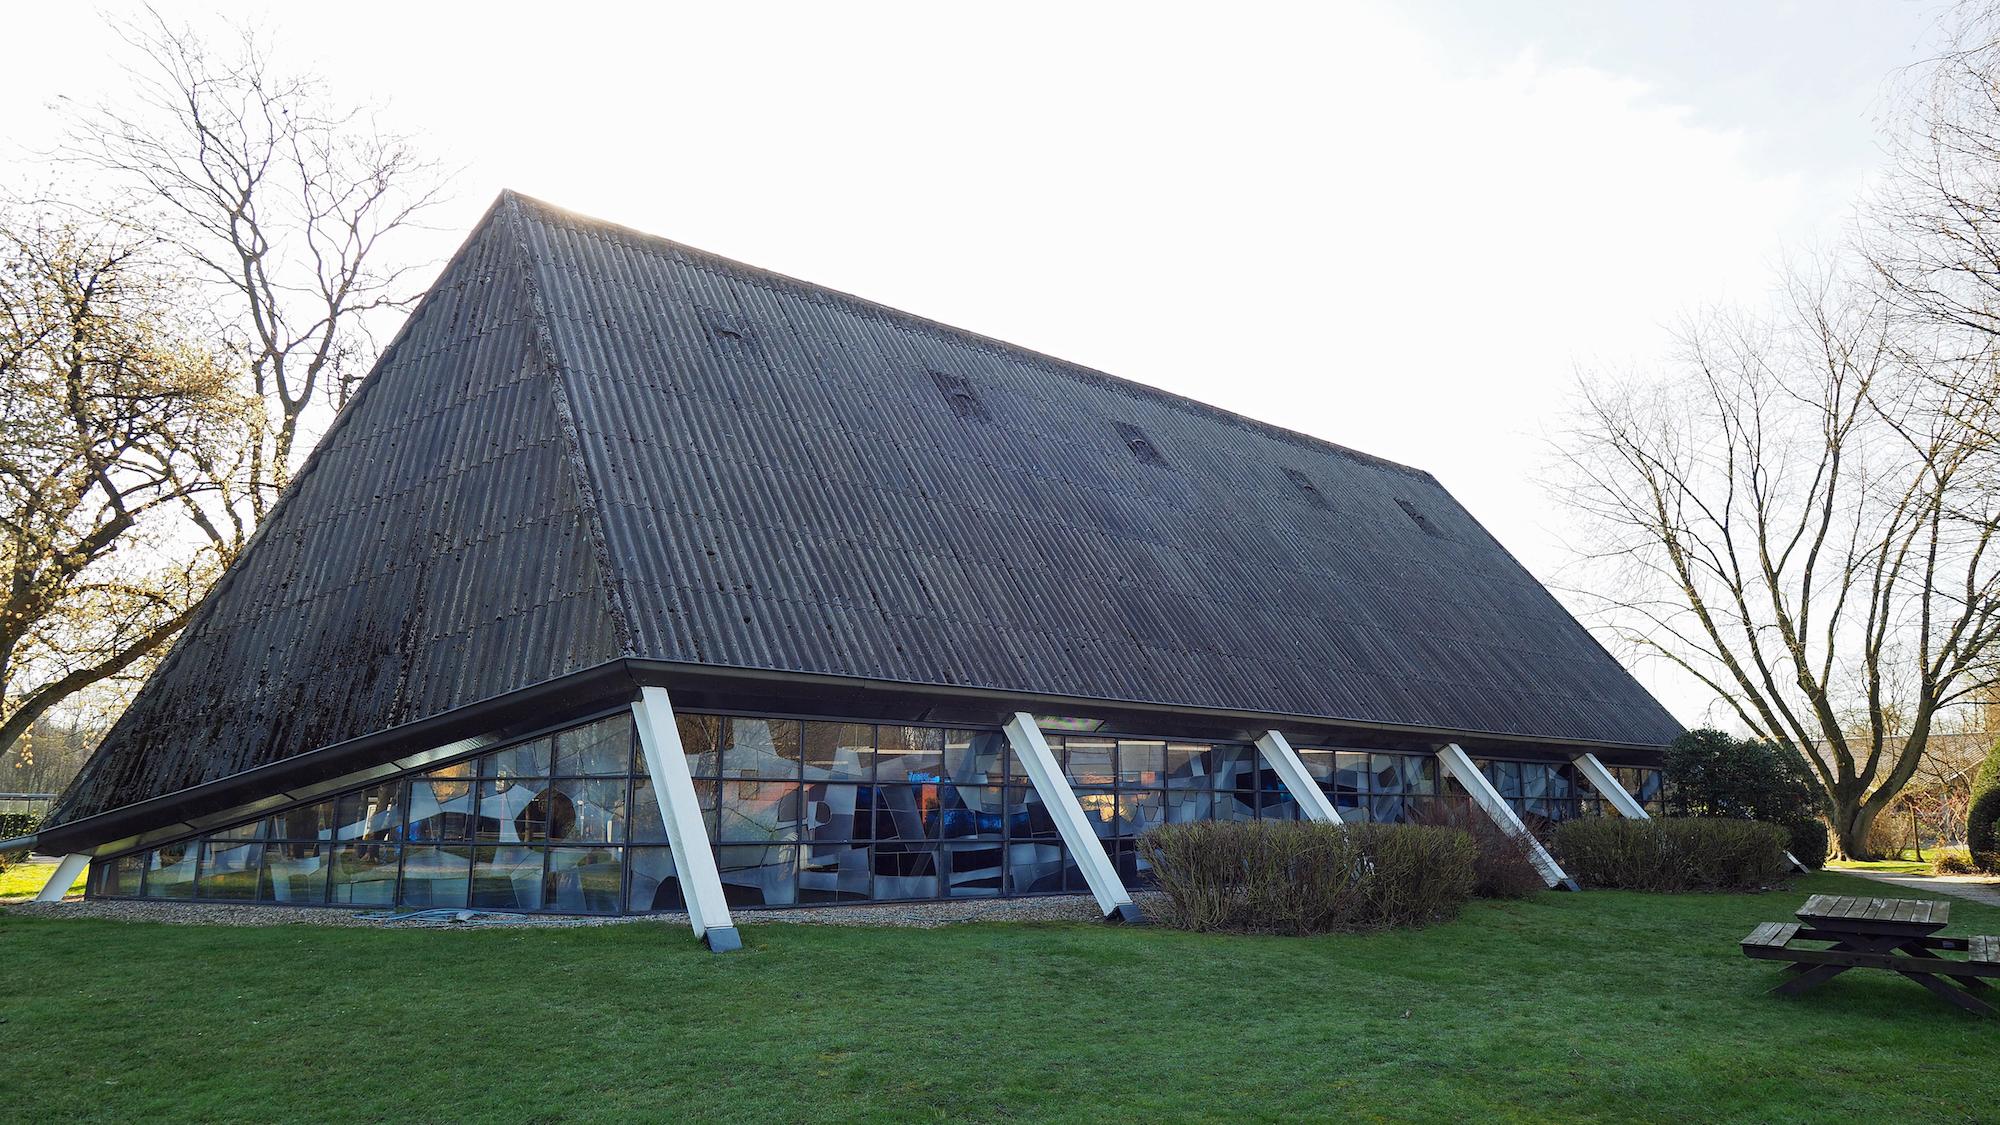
1545	793
1128	785
798	812
1373	786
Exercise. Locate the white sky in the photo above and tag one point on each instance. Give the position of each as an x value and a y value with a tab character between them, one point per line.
1399	227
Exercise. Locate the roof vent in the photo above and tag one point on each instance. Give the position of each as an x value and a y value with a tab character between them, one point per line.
959	393
1308	489
1141	446
1421	520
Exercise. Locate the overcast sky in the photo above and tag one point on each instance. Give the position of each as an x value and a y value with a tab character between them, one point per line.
1403	227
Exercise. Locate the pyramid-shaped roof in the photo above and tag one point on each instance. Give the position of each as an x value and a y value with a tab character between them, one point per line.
590	444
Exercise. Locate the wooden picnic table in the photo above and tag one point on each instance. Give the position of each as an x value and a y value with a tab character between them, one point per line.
1896	934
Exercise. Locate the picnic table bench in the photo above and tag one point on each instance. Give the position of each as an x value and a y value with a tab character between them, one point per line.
1896	934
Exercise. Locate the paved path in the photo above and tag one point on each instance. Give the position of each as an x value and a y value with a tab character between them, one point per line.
1972	887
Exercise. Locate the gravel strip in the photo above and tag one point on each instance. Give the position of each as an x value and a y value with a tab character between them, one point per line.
922	915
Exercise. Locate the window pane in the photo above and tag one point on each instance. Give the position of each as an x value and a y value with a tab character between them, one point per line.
1140	809
761	748
973	757
648	828
1350	772
121	876
441	804
760	811
1319	764
655	884
836	812
294	873
1386	773
1277	803
507	878
910	754
974	870
905	870
529	759
1089	761
1186	805
374	813
1188	765
757	876
1420	774
1100	809
907	811
1236	804
513	811
170	870
1142	764
1034	822
972	810
1035	867
584	880
834	873
307	822
701	741
363	874
839	751
599	749
588	810
436	878
1233	765
229	869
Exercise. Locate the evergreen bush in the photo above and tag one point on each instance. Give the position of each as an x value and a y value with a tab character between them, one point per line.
1982	821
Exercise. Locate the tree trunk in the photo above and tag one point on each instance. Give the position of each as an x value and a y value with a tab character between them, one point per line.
1851	820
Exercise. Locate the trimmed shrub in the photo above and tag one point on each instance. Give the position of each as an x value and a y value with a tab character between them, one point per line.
1952	863
1300	877
1810	840
1500	864
1982	820
12	825
1673	854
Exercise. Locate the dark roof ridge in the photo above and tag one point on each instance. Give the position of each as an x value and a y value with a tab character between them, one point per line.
618	602
912	321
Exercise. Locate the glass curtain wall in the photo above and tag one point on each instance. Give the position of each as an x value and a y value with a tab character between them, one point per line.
539	825
1545	793
798	812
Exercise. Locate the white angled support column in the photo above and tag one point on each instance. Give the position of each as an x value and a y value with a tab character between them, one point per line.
680	811
1284	761
71	866
1032	750
1601	779
1458	765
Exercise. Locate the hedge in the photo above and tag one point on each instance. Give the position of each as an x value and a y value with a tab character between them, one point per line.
1982	820
1672	854
1301	877
12	825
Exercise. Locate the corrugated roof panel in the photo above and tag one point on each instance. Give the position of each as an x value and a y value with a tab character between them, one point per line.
779	483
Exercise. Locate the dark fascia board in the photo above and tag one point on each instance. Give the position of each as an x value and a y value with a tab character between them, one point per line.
712	687
343	764
701	686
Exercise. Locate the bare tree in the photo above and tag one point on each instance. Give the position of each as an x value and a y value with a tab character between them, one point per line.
1933	226
287	204
116	426
1801	517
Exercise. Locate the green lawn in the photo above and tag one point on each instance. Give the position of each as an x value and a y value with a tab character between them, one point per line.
1595	1006
23	879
